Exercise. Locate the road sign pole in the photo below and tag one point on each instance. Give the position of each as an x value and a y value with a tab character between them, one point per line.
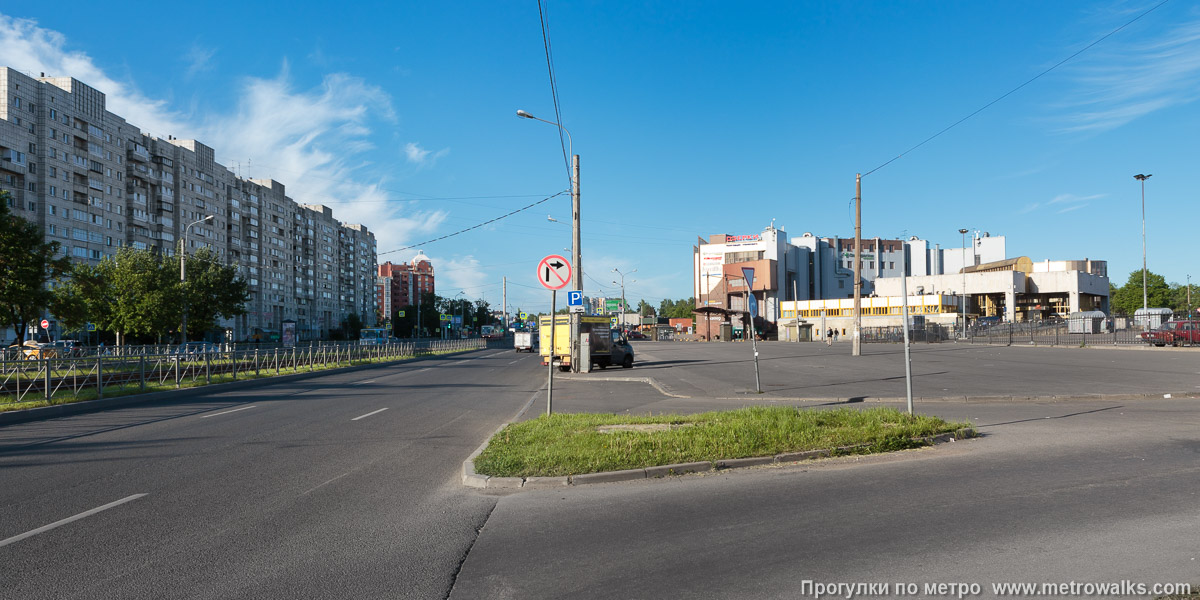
748	273
550	359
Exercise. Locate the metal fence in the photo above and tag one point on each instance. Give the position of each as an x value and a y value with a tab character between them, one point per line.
930	333
1113	331
1072	332
133	369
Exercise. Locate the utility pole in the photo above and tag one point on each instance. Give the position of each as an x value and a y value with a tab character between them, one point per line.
504	304
856	341
577	268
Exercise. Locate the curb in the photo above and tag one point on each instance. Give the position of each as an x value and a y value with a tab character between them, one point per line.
475	480
662	389
12	417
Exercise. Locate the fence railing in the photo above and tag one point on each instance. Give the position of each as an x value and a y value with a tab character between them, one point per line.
930	333
130	369
1078	332
1057	332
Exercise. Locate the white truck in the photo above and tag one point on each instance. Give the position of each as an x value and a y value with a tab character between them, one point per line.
525	341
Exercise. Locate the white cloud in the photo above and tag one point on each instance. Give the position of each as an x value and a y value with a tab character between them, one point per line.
462	274
314	141
421	157
199	59
1072	198
1133	80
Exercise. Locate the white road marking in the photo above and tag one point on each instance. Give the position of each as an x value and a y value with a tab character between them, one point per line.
364	382
369	414
82	515
227	412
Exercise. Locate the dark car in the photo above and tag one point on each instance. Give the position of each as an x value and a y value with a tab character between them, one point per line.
1175	333
636	335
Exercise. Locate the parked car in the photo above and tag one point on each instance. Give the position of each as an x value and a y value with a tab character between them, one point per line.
34	350
636	335
68	348
1174	333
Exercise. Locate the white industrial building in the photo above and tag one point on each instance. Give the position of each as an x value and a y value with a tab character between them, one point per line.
810	269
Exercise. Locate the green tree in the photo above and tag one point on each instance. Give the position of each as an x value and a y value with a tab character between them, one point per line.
80	297
214	291
144	294
645	309
1180	302
1128	298
677	309
352	326
27	264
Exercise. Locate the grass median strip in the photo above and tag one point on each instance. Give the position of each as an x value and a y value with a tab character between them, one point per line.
574	444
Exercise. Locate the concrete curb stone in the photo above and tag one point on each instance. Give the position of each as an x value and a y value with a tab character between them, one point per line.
608	476
798	456
505	482
678	469
736	463
545	482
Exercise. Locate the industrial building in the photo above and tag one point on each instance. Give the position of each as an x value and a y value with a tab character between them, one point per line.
814	276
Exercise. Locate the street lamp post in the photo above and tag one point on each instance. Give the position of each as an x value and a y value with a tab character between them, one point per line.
1142	178
624	307
577	263
462	319
963	292
183	274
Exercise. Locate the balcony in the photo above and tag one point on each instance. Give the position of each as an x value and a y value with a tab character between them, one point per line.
138	153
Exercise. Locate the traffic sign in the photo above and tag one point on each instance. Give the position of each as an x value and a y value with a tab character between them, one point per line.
574	298
91	326
524	316
748	273
45	324
554	272
400	314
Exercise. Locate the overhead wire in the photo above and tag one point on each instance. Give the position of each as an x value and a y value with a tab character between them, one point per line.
1018	88
553	86
476	226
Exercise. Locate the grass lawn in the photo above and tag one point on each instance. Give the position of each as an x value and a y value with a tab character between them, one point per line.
573	444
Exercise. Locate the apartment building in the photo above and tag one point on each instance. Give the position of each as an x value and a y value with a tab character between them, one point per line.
96	183
400	285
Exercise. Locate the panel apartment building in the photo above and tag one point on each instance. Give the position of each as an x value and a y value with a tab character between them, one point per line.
96	183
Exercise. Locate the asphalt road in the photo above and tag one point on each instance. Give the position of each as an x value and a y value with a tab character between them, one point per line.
308	490
300	490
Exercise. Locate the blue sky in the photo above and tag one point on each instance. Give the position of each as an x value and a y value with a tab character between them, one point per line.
691	118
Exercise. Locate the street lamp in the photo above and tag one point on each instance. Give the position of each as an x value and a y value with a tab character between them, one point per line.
624	307
461	316
1142	178
576	261
183	274
963	334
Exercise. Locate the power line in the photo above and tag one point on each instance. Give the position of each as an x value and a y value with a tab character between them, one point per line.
476	226
1014	90
554	87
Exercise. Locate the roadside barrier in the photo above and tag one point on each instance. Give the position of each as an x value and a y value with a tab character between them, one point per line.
130	370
